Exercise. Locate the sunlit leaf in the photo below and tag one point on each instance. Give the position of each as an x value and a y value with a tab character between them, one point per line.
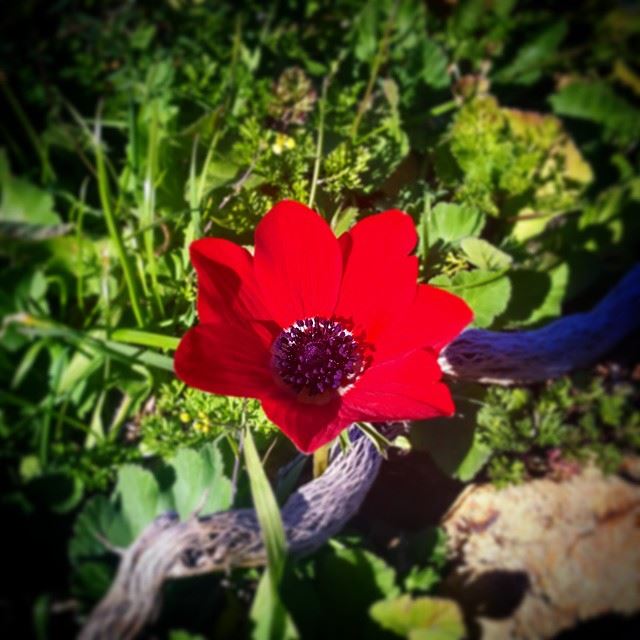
420	618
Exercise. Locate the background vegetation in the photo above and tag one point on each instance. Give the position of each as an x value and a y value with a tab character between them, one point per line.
508	130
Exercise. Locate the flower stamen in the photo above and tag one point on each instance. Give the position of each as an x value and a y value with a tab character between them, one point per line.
316	355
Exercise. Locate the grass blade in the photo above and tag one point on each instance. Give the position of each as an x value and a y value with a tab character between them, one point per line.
114	234
271	620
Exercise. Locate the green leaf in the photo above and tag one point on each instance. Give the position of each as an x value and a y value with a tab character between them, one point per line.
484	255
598	102
476	458
528	64
180	634
271	621
343	221
537	295
343	580
486	292
81	366
451	223
146	339
92	572
199	474
267	509
420	618
367	30
137	490
434	65
354	576
140	496
27	362
450	441
23	202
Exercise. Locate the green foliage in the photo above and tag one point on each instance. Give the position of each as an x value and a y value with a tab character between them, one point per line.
450	223
131	130
486	292
184	416
599	103
511	158
268	614
531	433
428	553
345	579
420	618
190	480
23	203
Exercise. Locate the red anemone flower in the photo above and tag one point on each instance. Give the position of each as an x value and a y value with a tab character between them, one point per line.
324	331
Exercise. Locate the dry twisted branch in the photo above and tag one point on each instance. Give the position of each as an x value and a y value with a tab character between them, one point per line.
169	549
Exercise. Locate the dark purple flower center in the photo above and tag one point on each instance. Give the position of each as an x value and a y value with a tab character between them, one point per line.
315	355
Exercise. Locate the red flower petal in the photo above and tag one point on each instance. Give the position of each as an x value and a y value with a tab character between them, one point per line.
297	263
434	319
404	389
308	426
379	280
227	290
230	359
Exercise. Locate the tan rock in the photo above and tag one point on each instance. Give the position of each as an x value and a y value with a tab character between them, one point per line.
539	558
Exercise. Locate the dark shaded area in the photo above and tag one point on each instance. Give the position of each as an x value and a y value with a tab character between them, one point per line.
411	492
607	626
494	594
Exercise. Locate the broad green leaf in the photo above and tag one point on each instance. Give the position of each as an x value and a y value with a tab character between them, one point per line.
366	575
187	489
333	590
598	102
199	481
551	307
367	29
420	618
528	64
434	65
486	292
484	255
91	574
449	441
140	496
137	491
537	295
23	202
450	223
215	174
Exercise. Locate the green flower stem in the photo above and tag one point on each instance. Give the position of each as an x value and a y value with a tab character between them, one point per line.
316	164
321	460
